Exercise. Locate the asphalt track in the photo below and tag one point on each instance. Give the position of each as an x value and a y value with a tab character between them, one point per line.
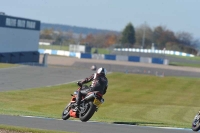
83	127
24	77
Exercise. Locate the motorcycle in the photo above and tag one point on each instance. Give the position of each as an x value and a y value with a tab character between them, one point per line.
88	106
196	122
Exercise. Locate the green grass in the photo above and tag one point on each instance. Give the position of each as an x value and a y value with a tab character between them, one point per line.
184	64
131	98
54	47
6	65
101	51
29	130
197	58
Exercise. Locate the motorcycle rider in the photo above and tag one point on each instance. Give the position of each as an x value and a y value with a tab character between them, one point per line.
99	83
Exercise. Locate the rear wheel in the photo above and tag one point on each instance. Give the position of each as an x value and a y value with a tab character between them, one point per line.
65	114
196	123
87	111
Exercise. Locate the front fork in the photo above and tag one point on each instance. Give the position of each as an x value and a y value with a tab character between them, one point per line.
196	119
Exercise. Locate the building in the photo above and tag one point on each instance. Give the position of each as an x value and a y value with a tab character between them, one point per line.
19	39
46	42
79	48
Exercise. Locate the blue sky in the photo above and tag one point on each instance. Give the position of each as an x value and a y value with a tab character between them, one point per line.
176	15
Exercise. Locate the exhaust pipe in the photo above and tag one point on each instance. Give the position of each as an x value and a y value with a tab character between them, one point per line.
89	97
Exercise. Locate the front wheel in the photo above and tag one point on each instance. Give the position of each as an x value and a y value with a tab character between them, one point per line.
87	111
196	123
65	114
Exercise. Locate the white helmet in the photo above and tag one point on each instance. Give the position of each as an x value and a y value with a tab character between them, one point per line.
102	70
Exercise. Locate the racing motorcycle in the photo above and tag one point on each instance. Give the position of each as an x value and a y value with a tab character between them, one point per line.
88	106
196	122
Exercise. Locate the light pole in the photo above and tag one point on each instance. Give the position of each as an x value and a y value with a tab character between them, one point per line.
143	38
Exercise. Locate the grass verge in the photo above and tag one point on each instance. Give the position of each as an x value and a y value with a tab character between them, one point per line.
15	129
131	98
6	65
184	64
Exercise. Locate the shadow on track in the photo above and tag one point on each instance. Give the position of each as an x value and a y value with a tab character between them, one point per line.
139	123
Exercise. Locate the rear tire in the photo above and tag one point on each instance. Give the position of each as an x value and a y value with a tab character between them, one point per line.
65	114
196	124
88	112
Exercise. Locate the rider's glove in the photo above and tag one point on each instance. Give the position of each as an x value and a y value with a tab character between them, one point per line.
79	83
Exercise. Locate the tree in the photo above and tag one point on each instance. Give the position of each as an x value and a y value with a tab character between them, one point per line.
110	40
128	36
184	38
46	34
89	40
99	40
161	36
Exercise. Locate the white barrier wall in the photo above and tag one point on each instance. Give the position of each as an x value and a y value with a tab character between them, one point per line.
145	60
98	56
64	53
121	58
166	62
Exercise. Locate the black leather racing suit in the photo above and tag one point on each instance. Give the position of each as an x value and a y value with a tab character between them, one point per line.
99	83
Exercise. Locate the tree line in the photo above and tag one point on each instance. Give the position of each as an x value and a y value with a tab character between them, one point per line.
142	36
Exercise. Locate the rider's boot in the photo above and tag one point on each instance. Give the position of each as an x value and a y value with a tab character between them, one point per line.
78	101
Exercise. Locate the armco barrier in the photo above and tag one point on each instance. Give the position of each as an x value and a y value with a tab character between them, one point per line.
157	61
106	56
121	58
86	55
63	53
134	58
166	62
110	57
54	52
60	52
72	54
98	56
41	51
145	59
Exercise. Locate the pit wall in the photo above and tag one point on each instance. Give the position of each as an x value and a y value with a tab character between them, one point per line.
105	56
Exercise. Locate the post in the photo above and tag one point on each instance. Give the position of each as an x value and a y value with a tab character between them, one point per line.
143	38
45	59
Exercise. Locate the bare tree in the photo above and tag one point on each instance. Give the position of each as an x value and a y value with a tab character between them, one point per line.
147	39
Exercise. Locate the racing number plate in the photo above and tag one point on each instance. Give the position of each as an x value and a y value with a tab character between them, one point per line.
97	102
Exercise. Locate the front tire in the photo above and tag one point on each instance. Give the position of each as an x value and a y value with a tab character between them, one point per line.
87	112
65	114
196	123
